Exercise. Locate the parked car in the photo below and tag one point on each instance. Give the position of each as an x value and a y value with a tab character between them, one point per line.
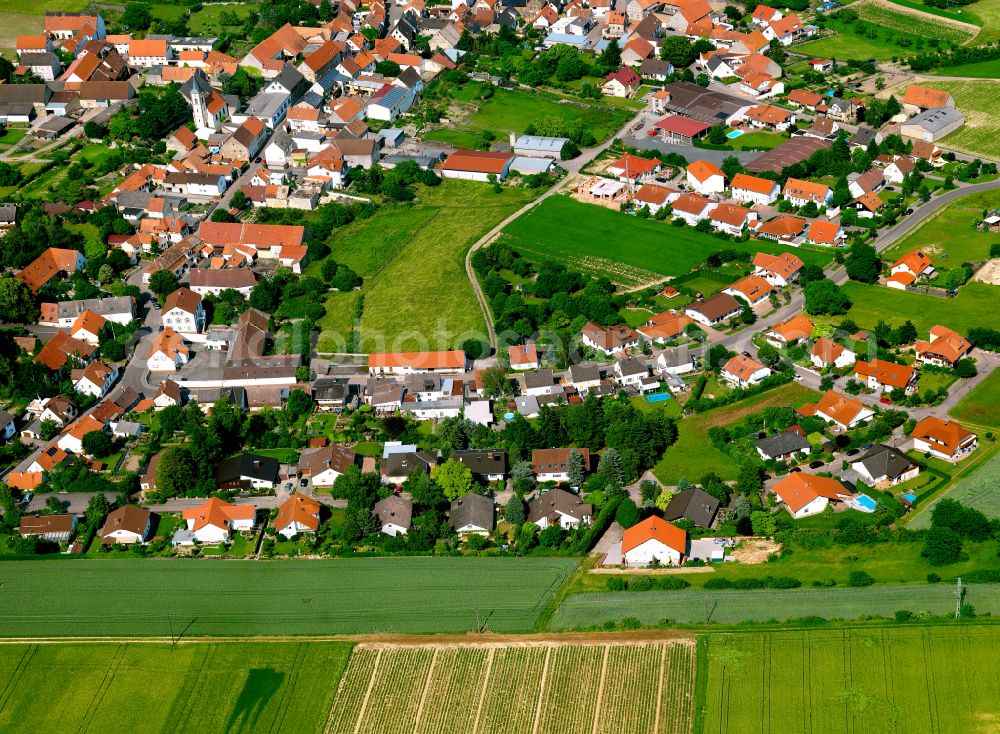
815	464
886	401
303	482
794	469
288	486
853	452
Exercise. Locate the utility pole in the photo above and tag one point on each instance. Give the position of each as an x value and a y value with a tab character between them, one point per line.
170	621
958	597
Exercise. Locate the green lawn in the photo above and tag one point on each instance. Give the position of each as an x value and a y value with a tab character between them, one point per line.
977	101
950	237
888	679
846	43
80	597
512	110
206	20
222	687
628	250
580	611
285	456
981	70
337	324
980	407
693	455
985	14
417	293
872	302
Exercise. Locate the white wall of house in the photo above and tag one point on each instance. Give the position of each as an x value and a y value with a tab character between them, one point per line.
652	549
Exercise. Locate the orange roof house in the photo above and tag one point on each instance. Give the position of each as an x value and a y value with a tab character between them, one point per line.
887	375
834	407
297	514
916	263
632	167
640	542
944	349
926	98
753	289
666	326
216	519
945	439
807	494
767	115
50	263
481	162
799	192
744	370
826	352
402	362
777	270
703	170
61	348
87	326
828	234
791	330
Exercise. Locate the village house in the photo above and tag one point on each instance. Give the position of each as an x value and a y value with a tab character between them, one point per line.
882	467
744	371
840	410
778	270
769	117
790	331
918	99
247	471
706	178
908	269
87	327
692	208
692	504
882	375
826	353
943	439
631	372
800	192
298	514
472	514
53	528
212	281
183	312
477	165
753	189
214	522
731	218
168	352
552	465
395	515
807	494
487	465
609	341
712	311
622	83
95	379
523	357
323	465
559	507
753	289
631	169
787	446
127	525
654	541
944	349
665	327
402	363
826	234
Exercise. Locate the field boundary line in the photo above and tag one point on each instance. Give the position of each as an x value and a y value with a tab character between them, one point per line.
482	692
541	691
423	694
368	693
600	688
102	689
659	687
15	676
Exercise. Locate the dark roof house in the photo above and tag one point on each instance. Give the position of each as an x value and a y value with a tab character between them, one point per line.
694	504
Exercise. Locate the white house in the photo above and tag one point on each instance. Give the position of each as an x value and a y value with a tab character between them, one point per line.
183	311
706	178
827	353
807	494
297	514
884	466
127	525
557	506
324	465
945	439
753	189
394	514
631	371
744	371
654	540
95	379
840	410
215	521
167	353
552	465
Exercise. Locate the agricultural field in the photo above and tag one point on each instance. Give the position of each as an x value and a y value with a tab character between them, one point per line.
915	23
977	101
862	41
207	20
512	110
591	610
224	687
950	237
980	490
18	18
873	302
979	407
418	250
978	70
543	687
693	455
73	598
895	679
628	250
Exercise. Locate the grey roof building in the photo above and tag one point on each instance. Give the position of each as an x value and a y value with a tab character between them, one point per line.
484	465
782	445
694	504
538	145
472	513
394	511
932	124
881	463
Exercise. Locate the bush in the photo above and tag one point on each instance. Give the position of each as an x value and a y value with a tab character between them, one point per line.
672	583
859	578
933	578
904	615
616	583
641	583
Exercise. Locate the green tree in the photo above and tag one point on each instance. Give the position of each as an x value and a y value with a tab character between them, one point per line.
748	479
717	136
238	200
610	59
610	466
137	17
514	511
663	499
678	51
825	297
743	507
763	523
163	283
454	478
552	536
627	513
97	444
575	468
863	263
942	546
17	304
97	509
522	477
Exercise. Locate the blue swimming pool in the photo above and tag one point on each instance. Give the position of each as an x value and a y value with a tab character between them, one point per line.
508	416
910	498
865	502
734	134
658	397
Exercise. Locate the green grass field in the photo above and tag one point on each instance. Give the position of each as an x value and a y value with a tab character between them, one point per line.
872	302
980	490
221	687
693	455
979	407
206	20
18	18
898	679
912	24
985	14
512	110
417	293
980	70
580	611
846	43
951	238
412	595
628	250
542	687
977	101
337	324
